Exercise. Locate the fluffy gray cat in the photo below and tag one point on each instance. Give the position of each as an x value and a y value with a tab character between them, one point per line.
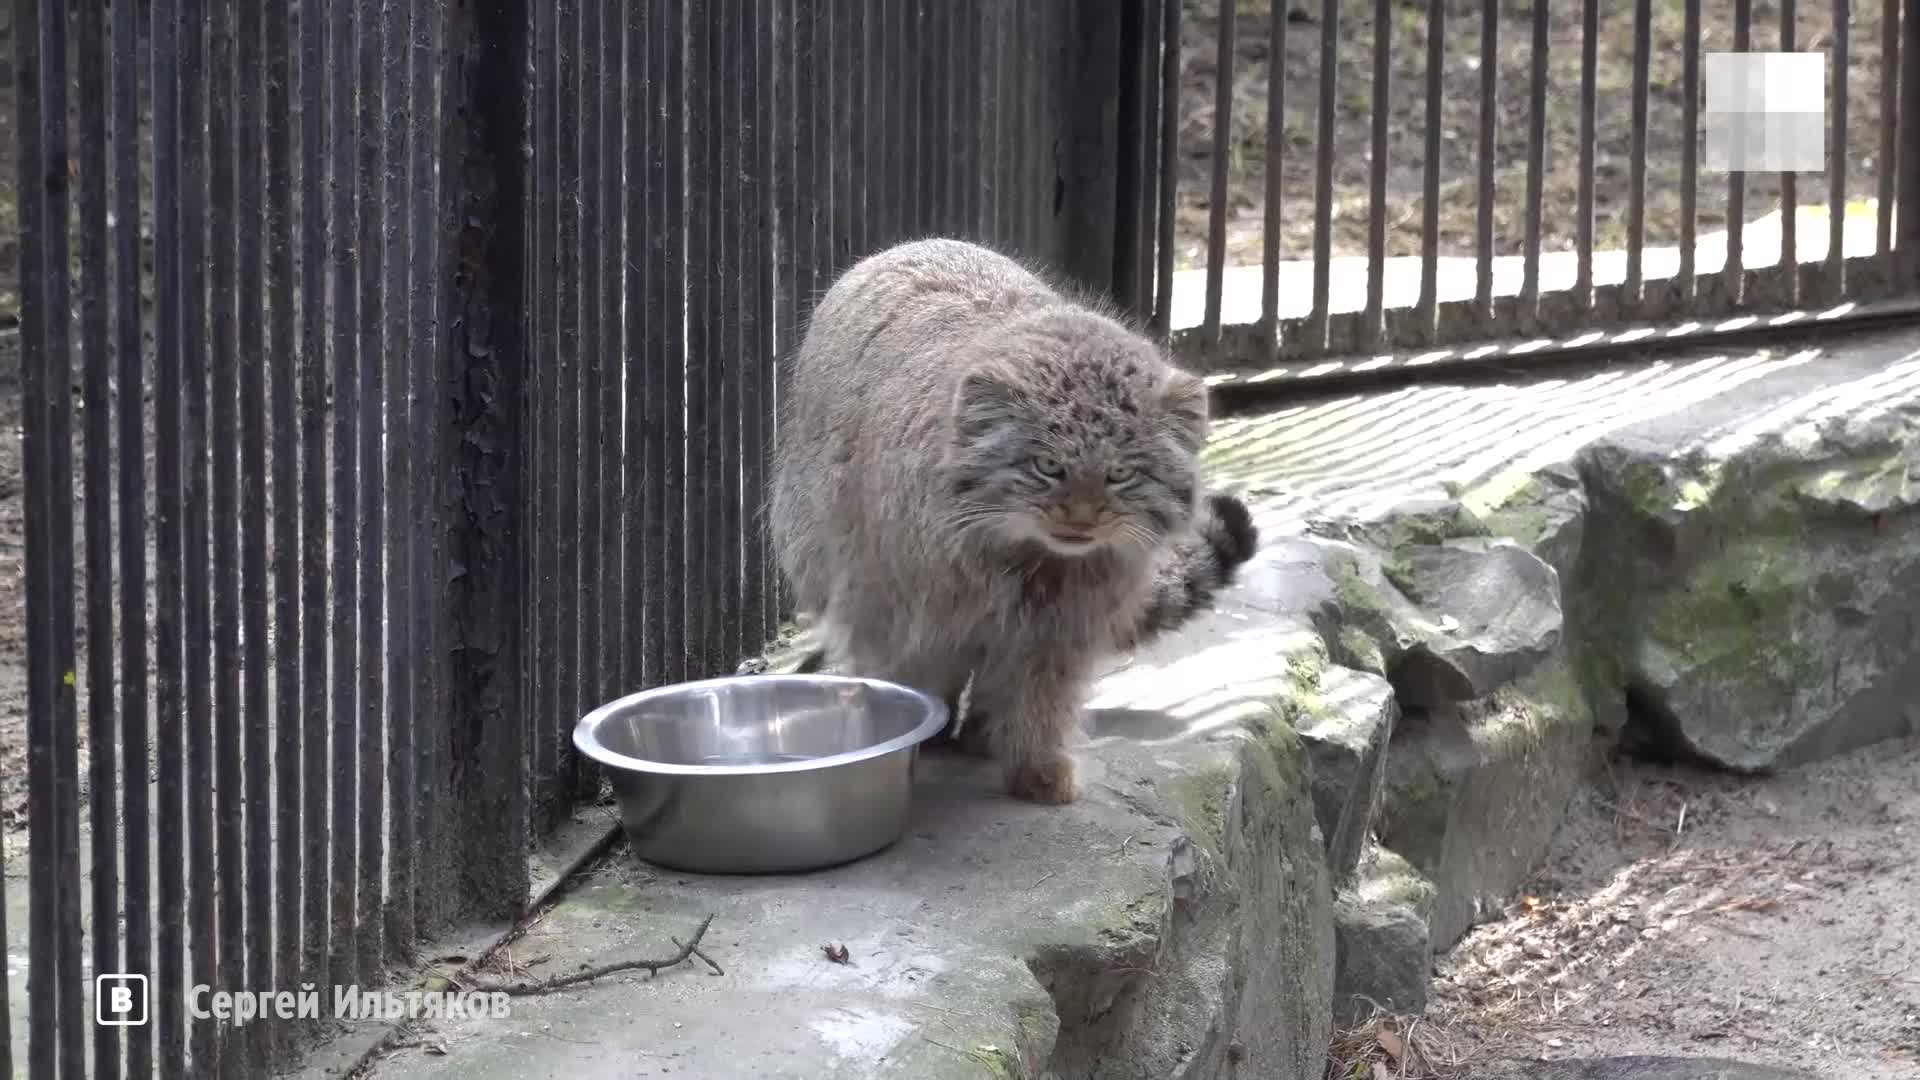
976	475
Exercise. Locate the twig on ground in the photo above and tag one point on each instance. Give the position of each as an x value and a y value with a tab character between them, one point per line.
653	967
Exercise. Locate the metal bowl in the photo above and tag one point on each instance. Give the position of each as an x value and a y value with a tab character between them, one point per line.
762	773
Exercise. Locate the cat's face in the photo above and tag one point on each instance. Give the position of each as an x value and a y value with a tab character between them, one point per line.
1079	450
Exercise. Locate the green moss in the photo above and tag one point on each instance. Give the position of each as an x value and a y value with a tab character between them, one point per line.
1362	609
1423	528
1200	806
997	1061
1513	504
1362	652
1733	617
1035	1028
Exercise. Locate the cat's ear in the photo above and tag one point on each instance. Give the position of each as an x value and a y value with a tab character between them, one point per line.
987	402
1183	401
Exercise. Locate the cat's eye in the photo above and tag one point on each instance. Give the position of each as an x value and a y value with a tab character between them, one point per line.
1119	474
1047	465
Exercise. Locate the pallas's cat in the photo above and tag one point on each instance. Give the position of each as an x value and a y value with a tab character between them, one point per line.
975	474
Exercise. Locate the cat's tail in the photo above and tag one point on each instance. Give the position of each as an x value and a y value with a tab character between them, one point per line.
1193	570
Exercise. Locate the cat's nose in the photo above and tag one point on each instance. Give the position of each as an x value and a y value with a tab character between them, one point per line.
1083	514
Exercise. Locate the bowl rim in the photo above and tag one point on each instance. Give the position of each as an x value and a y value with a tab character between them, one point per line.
586	730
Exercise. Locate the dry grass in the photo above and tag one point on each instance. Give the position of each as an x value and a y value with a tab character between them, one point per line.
1353	104
1551	954
1387	1047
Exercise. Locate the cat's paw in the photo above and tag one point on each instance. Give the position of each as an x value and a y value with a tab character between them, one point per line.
1052	781
1229	531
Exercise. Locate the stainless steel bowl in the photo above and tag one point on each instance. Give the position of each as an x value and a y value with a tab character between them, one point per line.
762	773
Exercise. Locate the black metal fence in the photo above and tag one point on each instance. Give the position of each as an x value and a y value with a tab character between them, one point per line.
406	367
398	377
1494	161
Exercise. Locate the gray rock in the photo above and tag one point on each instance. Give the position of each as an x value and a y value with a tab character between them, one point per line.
1475	792
1640	1068
1758	603
1422	595
1380	941
1494	611
1544	511
1345	719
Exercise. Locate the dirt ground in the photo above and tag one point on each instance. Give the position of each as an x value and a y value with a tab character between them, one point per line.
1769	920
1460	120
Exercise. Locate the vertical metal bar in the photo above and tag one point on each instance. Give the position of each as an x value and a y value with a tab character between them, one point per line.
1489	122
136	808
56	1031
202	913
1430	174
754	388
874	102
1637	163
1907	241
255	760
170	985
1536	162
1323	174
1735	269
921	84
1377	174
701	354
724	538
937	30
613	584
852	115
670	96
566	427
6	1008
768	42
993	164
428	478
1169	164
344	249
544	385
1837	154
223	241
805	150
369	933
1789	181
1131	140
639	226
483	158
1223	52
316	676
1146	207
901	125
830	165
1890	145
97	417
593	363
1589	105
396	832
720	555
283	968
1684	280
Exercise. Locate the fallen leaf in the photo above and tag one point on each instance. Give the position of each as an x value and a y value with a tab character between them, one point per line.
1380	1072
437	1046
837	953
1391	1043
